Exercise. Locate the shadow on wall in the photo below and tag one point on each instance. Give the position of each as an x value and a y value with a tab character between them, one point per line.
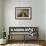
1	34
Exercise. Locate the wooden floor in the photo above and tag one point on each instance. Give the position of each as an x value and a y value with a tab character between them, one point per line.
40	42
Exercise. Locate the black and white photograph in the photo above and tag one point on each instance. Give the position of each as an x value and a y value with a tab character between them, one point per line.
23	12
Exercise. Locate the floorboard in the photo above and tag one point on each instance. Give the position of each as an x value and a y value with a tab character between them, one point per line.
25	43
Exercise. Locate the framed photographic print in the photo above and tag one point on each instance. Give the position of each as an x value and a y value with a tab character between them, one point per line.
23	13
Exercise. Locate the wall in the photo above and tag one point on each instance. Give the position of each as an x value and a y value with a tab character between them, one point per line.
0	18
37	15
45	19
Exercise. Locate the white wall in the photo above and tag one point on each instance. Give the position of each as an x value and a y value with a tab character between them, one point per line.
37	15
45	19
